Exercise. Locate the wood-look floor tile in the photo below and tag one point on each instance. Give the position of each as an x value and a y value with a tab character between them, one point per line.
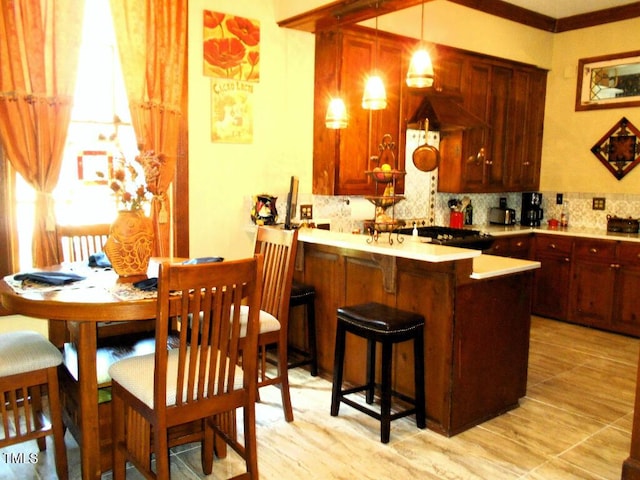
574	423
602	453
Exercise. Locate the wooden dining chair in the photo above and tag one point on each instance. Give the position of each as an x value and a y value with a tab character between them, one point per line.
28	364
77	243
279	249
202	379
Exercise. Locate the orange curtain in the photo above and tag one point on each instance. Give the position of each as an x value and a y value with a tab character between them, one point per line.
39	43
152	41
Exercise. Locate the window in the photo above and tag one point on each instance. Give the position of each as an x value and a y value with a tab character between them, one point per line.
100	122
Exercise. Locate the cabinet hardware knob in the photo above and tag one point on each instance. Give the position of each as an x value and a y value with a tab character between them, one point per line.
519	244
553	246
615	265
526	164
593	250
567	259
480	157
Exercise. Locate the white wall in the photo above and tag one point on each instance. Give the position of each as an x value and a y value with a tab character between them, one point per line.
223	176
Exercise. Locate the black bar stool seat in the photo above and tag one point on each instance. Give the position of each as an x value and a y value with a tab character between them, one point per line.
386	325
304	295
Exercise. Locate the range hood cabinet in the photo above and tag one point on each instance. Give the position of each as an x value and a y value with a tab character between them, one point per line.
444	111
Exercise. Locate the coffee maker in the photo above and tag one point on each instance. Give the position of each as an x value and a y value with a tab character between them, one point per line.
531	209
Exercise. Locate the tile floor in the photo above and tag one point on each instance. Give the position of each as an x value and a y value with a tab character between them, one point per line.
574	423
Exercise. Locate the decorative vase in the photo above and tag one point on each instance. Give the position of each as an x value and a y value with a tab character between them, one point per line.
264	210
130	243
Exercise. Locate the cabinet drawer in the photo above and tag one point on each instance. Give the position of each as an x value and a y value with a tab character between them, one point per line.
596	249
554	243
629	252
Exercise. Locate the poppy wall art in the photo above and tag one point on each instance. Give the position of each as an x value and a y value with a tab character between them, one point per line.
231	47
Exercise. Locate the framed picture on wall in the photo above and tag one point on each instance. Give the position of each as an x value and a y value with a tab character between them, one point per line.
95	167
608	81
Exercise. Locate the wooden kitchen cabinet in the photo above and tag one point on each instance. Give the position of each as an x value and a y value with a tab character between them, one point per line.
592	282
343	61
551	280
626	311
502	155
505	154
527	118
516	246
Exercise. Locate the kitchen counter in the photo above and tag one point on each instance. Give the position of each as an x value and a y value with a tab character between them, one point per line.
477	311
601	233
484	266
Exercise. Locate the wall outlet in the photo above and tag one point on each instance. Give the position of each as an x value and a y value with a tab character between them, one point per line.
559	198
598	203
306	212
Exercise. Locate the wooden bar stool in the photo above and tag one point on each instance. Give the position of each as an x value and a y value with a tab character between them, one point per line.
386	325
28	362
304	295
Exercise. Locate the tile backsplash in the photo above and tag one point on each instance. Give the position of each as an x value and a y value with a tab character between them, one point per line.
347	213
338	209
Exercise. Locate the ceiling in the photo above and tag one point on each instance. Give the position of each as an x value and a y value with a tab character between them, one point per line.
568	8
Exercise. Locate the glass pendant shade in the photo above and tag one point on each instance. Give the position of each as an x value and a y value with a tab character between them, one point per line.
375	96
420	74
336	114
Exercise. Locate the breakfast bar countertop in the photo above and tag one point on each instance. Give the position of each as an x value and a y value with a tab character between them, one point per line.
484	266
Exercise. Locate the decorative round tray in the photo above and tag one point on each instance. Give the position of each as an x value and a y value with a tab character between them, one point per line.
385	176
385	201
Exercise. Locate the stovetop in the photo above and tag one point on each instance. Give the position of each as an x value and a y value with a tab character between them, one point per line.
454	237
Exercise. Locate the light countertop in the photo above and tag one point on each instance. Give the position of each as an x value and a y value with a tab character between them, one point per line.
484	266
600	233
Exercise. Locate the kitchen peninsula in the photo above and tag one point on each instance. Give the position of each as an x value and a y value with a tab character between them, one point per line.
476	307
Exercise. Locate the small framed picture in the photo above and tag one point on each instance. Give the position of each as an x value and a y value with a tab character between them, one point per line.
95	167
609	81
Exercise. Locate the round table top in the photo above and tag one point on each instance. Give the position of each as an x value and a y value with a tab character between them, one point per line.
94	299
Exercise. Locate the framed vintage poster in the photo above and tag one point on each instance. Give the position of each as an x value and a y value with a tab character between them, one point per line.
231	111
609	81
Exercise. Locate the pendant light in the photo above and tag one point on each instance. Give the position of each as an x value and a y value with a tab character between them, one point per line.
420	73
336	117
374	96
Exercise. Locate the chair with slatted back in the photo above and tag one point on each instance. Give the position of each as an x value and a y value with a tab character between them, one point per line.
202	379
29	362
77	243
279	249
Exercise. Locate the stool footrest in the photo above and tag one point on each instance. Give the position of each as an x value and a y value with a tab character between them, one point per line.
374	413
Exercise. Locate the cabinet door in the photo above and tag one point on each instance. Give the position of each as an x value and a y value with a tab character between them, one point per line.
551	281
475	140
358	57
626	310
551	287
594	276
526	125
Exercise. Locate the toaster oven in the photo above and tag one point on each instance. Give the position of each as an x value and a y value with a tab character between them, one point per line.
502	216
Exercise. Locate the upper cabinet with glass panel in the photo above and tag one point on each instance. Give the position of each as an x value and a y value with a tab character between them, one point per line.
609	81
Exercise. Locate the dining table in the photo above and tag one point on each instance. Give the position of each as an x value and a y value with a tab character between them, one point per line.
75	310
